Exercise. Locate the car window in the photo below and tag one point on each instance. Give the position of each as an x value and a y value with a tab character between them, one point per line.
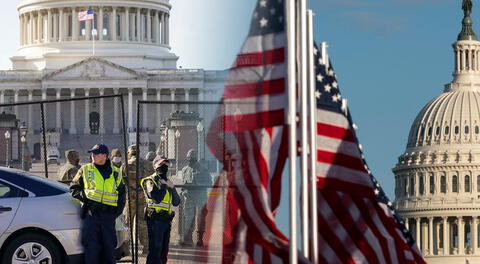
7	191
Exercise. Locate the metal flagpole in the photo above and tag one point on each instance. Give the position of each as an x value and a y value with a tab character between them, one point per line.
292	126
93	32
312	139
302	15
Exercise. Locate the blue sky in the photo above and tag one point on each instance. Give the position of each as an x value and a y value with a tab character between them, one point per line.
391	56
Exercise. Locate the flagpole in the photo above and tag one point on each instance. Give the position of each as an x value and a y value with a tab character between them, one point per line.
93	33
312	139
302	15
292	126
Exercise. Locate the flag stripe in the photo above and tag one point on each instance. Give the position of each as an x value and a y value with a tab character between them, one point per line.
244	122
269	87
262	58
340	159
251	74
333	144
335	132
264	42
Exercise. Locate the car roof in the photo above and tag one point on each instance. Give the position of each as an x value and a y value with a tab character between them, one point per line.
38	185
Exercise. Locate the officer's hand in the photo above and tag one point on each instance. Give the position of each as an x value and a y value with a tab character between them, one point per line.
169	184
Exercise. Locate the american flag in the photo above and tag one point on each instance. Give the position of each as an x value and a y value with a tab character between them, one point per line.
86	15
250	130
356	221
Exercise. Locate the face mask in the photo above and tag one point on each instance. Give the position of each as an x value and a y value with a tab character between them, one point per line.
162	170
117	160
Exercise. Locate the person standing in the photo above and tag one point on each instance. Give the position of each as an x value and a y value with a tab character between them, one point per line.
196	180
99	186
160	196
135	192
116	157
68	170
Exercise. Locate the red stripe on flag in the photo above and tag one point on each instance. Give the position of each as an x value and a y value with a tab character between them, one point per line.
267	57
238	91
335	132
336	184
244	122
339	159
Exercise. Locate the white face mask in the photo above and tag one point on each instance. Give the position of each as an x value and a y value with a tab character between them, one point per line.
117	159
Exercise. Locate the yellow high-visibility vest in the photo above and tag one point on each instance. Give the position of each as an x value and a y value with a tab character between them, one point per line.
165	205
98	189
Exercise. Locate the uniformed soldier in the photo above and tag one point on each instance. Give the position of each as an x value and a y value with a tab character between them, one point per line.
71	166
99	186
149	159
196	179
136	191
116	157
160	196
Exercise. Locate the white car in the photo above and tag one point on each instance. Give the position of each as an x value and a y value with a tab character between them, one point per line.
40	222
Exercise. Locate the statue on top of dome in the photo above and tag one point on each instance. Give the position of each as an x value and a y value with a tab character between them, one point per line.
467	7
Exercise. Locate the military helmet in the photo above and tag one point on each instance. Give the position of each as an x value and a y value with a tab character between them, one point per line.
132	149
150	156
192	154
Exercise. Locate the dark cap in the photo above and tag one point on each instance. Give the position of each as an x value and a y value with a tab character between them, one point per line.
99	149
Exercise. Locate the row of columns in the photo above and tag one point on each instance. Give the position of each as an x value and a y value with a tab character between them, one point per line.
116	127
466	58
445	235
61	24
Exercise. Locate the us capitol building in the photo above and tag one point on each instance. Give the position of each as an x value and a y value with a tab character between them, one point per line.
437	179
132	56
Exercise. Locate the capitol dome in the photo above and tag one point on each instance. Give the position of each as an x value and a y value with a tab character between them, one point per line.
131	33
437	179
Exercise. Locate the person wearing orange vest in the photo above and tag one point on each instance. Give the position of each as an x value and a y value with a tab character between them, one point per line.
99	186
160	197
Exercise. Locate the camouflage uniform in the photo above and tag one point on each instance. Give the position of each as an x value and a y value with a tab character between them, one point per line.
136	191
195	199
149	166
70	168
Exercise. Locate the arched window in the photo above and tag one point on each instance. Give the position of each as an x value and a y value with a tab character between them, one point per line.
467	184
455	184
437	131
457	130
405	185
447	130
467	130
422	131
478	183
432	184
477	130
412	186
420	184
106	26
443	184
429	131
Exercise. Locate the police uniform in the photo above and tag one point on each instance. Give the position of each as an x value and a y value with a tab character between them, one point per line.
69	169
159	214
195	178
101	189
136	191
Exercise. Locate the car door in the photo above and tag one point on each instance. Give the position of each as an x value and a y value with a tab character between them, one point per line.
10	197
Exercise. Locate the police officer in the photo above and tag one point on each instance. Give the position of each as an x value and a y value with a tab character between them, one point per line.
136	191
195	179
71	166
160	196
99	186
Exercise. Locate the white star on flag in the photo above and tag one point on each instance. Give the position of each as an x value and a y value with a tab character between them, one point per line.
328	87
317	94
320	78
331	73
263	22
315	51
263	3
335	85
336	98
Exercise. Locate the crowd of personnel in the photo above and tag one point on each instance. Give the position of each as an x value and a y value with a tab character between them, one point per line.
101	186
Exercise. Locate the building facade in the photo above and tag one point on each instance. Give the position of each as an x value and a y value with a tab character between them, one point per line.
437	179
124	50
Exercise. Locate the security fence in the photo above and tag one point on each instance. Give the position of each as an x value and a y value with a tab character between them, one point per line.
50	138
177	130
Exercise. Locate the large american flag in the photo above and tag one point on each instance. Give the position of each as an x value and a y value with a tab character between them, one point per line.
86	15
356	221
250	131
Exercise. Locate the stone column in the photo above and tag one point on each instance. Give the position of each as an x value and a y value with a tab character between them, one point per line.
30	28
172	98
461	235
156	26
144	110
187	99
127	25
30	98
100	23
49	25
446	242
102	112
113	24
474	234
55	26
86	129
58	123
39	26
75	26
430	236
44	94
417	231
163	27
167	29
73	128
130	108
139	25
149	26
464	59
62	25
159	113
424	238
116	129
21	29
15	99
2	96
201	97
133	26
